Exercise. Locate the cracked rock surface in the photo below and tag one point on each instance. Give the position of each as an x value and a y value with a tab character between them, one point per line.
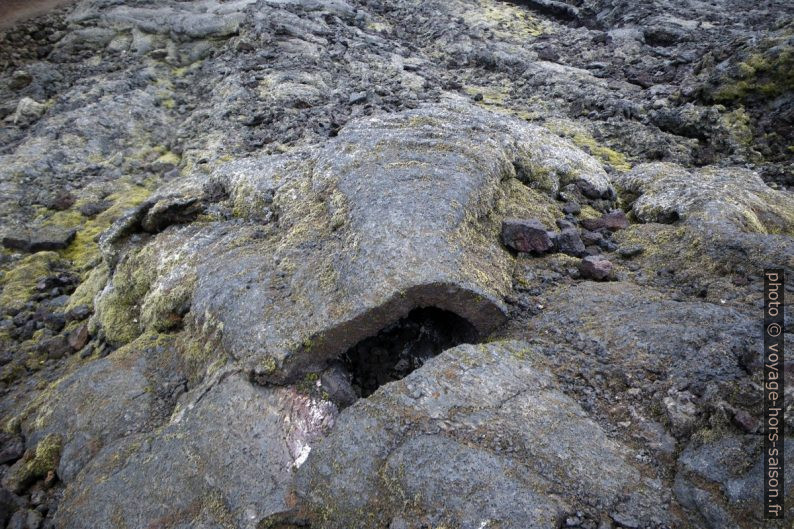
267	263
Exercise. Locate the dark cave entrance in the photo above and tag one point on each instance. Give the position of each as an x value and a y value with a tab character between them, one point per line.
404	346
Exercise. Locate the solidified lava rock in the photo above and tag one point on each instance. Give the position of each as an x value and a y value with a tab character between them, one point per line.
273	230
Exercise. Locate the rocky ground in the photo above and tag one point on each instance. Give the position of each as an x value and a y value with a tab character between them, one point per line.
395	264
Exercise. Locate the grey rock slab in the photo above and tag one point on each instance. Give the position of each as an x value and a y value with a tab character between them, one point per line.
480	435
224	460
45	238
329	245
569	242
102	401
707	224
595	267
724	477
621	324
735	198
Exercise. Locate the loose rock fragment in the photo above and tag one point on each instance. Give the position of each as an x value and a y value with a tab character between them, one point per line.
631	251
595	267
12	446
35	464
79	337
613	221
569	242
528	236
39	239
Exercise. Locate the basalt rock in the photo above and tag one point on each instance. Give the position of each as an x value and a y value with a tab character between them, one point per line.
310	252
299	204
469	421
528	236
225	458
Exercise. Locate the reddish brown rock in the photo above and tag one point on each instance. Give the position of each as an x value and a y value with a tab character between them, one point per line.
595	267
528	236
79	337
613	221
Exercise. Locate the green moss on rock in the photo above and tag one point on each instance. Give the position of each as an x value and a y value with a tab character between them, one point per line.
19	283
35	464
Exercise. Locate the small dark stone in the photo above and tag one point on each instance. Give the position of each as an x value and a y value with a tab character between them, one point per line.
78	313
22	318
336	382
564	224
591	238
613	221
62	201
9	503
595	267
625	520
55	321
745	421
87	351
630	251
607	245
46	284
79	337
18	520
33	519
92	209
20	79
255	120
569	242
17	240
529	236
478	97
593	250
572	208
27	330
51	238
588	190
12	446
56	347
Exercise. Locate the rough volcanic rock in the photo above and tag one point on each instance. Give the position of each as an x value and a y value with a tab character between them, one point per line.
613	221
456	443
569	242
529	236
716	484
39	239
224	459
318	250
105	400
283	184
595	267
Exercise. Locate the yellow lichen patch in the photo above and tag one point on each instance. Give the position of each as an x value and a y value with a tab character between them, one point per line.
169	158
583	139
523	202
506	21
768	72
85	293
119	308
490	95
35	464
84	250
19	283
663	243
588	212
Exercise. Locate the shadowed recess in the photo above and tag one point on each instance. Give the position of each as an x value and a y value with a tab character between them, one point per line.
404	346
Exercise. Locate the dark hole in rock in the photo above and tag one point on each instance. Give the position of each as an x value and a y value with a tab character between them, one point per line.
404	346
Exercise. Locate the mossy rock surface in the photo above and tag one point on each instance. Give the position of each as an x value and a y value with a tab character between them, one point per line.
350	250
